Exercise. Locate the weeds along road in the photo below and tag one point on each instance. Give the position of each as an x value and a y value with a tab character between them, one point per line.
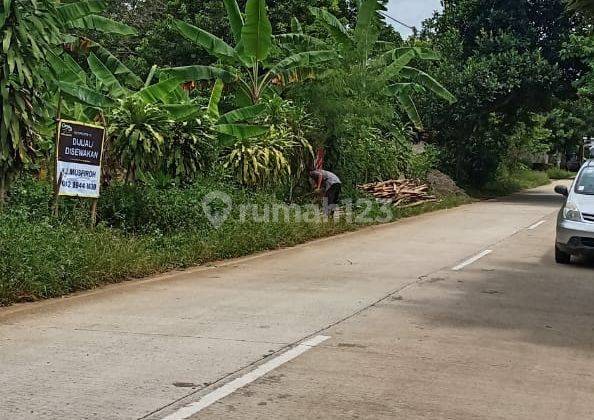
375	324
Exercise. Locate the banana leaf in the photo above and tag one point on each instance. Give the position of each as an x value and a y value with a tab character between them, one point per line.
103	24
241	131
423	53
366	30
182	112
411	109
86	95
115	66
214	45
331	22
242	114
235	18
296	26
159	92
106	77
71	12
256	34
196	73
65	68
428	82
215	99
300	39
305	59
396	67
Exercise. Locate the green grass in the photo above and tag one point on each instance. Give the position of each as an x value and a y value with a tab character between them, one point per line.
510	182
44	259
555	173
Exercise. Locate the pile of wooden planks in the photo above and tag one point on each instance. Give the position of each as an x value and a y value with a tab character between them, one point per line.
401	193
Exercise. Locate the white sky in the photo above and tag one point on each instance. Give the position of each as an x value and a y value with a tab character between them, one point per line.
412	12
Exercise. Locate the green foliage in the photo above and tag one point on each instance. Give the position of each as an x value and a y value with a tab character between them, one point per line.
569	123
190	148
376	71
507	182
138	130
371	155
145	209
503	62
556	173
42	258
261	161
281	154
28	29
421	164
581	47
254	73
585	6
158	41
527	142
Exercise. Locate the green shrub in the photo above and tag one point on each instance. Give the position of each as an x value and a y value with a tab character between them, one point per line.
422	163
556	173
145	209
508	182
190	148
30	198
371	156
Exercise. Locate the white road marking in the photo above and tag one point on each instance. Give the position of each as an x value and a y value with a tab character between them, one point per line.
231	387
537	225
472	260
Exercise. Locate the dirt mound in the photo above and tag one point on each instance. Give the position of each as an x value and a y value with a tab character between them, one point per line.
442	185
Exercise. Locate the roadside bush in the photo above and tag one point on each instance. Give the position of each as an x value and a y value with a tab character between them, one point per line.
507	182
137	129
190	148
372	155
280	154
422	163
147	209
30	198
556	173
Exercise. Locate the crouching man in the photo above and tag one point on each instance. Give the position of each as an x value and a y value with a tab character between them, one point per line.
328	183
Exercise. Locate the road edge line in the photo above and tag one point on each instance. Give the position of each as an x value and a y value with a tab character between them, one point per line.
472	260
238	383
537	225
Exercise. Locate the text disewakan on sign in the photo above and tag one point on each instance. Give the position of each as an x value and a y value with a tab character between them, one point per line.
79	154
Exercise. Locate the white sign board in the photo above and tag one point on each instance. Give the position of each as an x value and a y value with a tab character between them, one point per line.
79	154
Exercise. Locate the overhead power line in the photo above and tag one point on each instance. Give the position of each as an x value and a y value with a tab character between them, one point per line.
412	28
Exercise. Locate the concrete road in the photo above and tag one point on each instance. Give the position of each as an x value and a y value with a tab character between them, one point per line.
404	336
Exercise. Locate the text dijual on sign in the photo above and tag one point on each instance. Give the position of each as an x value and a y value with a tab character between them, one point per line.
80	148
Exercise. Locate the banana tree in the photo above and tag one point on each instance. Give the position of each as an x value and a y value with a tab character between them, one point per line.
248	60
142	121
389	67
29	30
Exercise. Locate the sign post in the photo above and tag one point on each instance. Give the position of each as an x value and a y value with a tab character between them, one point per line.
79	156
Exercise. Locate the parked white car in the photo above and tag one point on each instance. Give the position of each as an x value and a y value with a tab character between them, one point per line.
575	224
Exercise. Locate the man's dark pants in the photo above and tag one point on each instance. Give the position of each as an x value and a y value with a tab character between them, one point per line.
333	196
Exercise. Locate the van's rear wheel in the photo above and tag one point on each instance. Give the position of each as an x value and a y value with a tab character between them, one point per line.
562	257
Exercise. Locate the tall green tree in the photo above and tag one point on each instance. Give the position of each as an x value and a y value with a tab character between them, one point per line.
504	63
365	97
